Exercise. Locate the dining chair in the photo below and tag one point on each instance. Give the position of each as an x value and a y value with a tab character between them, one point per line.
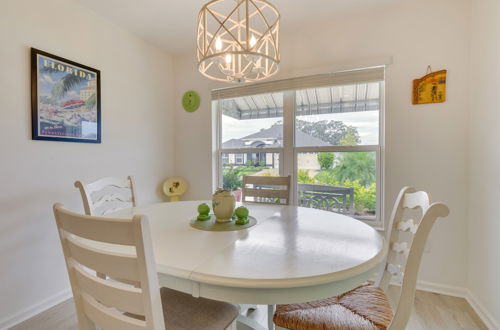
368	306
266	189
107	195
109	304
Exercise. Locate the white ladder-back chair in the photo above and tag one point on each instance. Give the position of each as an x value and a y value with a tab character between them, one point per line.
122	249
266	189
368	306
107	195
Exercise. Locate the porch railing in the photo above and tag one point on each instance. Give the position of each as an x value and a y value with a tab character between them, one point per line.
328	198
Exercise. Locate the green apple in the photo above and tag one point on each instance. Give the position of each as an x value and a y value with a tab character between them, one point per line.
241	212
203	209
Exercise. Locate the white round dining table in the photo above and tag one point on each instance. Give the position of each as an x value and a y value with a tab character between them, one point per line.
293	254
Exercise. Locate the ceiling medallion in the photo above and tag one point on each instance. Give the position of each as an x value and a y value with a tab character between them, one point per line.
238	40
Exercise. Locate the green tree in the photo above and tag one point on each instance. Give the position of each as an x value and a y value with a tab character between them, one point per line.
354	166
325	159
350	138
330	131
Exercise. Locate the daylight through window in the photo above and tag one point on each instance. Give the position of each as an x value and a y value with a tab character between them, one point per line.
328	138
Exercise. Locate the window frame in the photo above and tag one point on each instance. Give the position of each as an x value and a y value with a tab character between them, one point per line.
288	153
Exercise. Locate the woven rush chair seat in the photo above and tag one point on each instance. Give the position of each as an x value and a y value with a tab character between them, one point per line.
365	307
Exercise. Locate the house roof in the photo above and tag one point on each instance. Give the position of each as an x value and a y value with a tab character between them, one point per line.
233	144
275	133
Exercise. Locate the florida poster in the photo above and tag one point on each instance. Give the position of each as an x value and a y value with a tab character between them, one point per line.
65	99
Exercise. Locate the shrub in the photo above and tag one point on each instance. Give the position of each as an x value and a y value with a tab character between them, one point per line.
303	177
325	159
231	179
365	197
327	177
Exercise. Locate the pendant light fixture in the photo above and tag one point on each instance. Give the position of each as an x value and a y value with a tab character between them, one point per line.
238	40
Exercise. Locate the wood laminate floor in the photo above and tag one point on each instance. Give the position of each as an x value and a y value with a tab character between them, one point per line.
431	311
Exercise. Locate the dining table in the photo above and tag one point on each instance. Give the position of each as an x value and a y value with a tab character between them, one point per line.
292	254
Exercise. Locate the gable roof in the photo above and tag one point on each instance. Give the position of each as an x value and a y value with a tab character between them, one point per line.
275	132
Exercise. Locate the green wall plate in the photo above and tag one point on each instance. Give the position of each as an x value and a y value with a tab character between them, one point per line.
191	101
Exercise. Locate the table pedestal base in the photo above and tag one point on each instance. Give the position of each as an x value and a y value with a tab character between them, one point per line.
244	322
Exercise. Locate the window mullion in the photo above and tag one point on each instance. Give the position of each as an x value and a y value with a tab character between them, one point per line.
289	166
217	131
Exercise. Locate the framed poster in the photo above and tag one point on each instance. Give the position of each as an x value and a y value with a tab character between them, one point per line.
65	99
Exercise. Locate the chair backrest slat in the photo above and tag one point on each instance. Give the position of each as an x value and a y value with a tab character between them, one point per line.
408	225
267	193
109	181
267	180
110	294
107	319
417	199
112	264
103	200
112	194
406	244
91	244
113	231
266	189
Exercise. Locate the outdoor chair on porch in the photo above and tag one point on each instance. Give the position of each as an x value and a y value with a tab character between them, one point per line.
327	198
266	189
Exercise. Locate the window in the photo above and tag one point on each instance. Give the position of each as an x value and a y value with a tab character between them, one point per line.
325	131
239	158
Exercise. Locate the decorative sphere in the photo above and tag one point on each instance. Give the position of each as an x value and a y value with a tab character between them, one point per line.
203	208
241	212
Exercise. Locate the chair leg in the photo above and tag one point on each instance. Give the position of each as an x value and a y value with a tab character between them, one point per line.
270	314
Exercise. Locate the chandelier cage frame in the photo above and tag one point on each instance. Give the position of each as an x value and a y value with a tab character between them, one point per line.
232	49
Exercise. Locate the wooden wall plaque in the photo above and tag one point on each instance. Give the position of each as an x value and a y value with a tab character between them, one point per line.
431	88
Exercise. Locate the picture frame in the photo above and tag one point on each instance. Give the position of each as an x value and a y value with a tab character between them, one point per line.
65	99
431	88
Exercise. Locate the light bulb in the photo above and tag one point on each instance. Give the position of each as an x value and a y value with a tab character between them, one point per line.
253	41
218	44
228	58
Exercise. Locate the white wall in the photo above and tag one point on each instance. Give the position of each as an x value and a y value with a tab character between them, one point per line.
484	162
137	136
426	146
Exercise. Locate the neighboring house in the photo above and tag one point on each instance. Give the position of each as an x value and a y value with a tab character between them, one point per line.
271	138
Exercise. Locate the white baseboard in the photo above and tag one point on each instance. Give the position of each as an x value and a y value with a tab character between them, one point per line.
448	290
37	308
455	291
482	312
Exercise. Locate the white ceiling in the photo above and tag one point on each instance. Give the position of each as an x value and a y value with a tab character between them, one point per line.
171	24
